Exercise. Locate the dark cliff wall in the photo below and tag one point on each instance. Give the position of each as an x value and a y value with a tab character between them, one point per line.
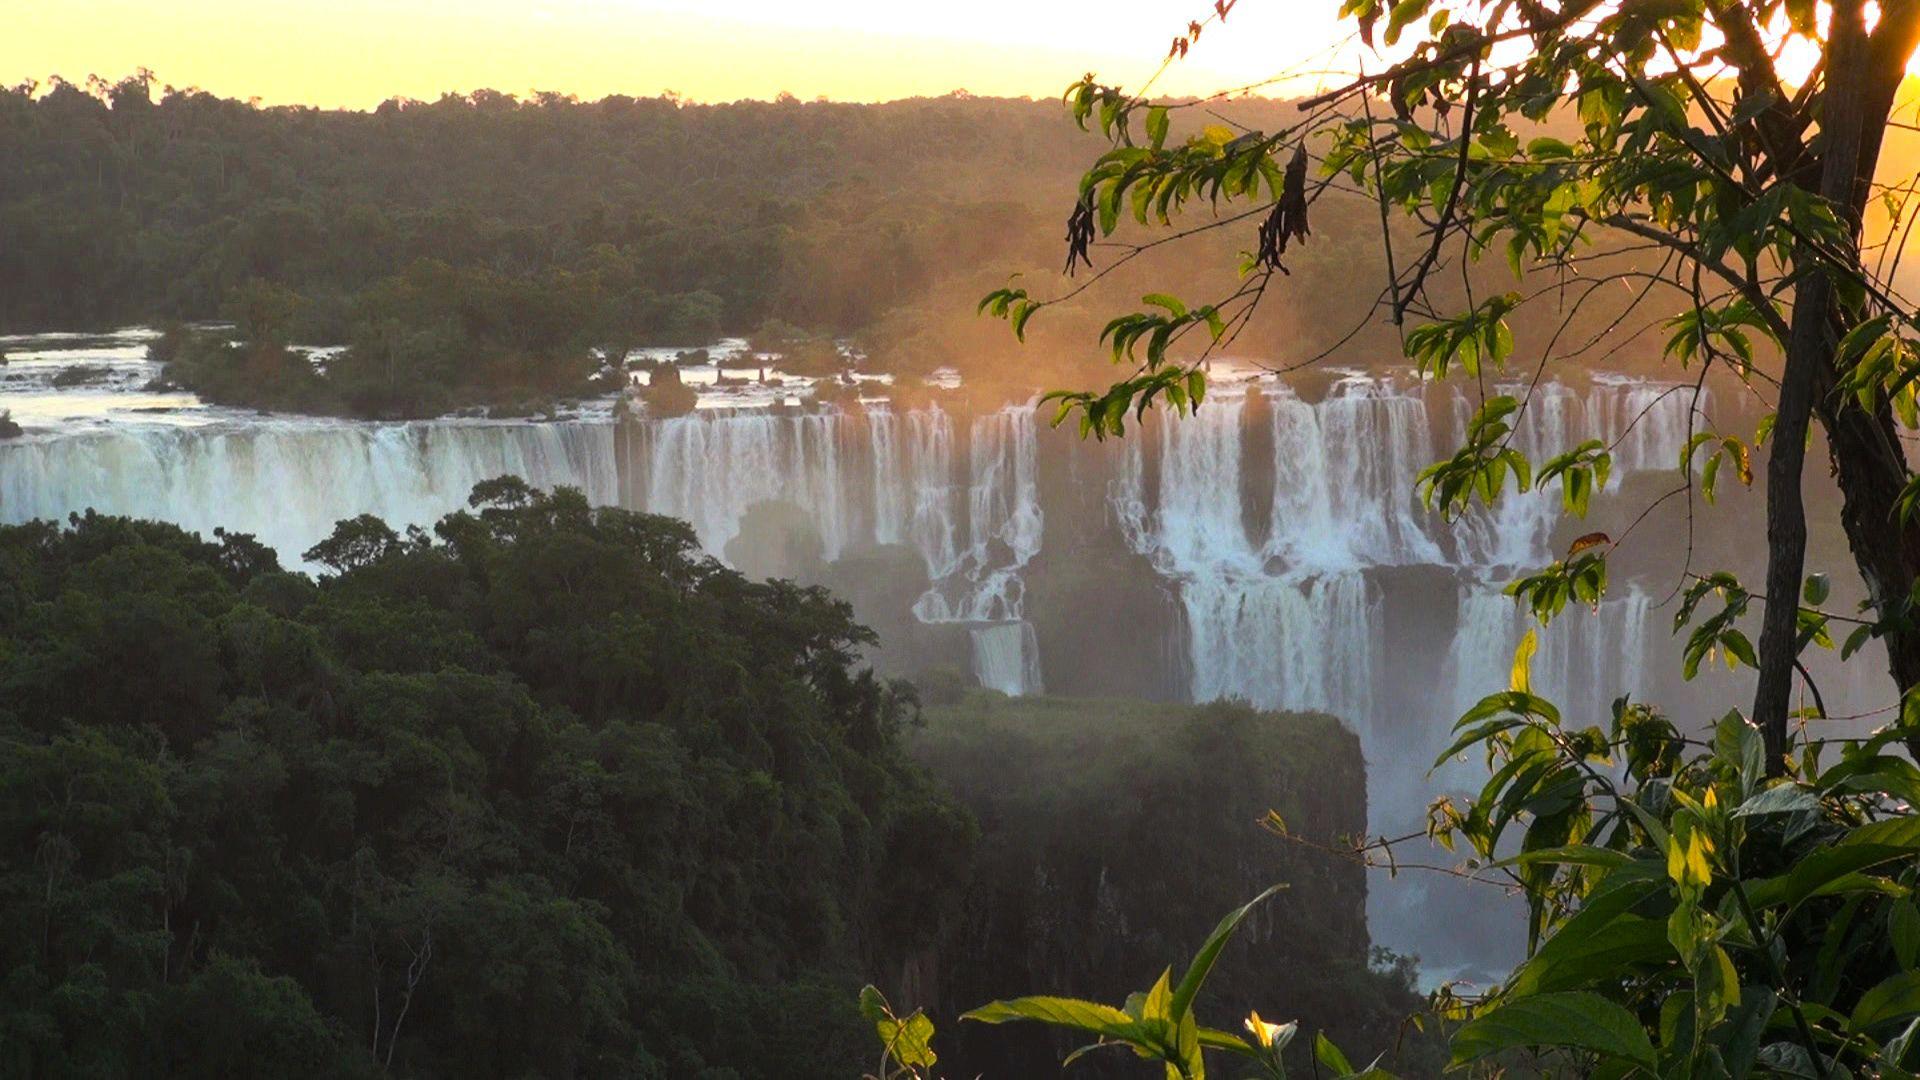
1114	835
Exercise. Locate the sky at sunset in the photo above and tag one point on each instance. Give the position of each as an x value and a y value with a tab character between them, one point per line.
357	53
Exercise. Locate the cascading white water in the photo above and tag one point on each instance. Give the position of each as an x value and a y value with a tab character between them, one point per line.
982	583
1377	439
914	496
974	540
288	482
1584	658
1290	641
1647	424
1284	593
1006	657
709	470
1266	623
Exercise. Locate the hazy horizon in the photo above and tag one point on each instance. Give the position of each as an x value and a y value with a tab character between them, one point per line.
317	55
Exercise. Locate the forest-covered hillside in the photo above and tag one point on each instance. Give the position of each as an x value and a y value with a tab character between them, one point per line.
481	249
129	202
630	220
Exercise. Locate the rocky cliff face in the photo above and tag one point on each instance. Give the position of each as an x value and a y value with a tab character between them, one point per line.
1114	835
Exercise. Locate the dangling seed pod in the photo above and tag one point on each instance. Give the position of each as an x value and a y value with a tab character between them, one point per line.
1288	219
1080	234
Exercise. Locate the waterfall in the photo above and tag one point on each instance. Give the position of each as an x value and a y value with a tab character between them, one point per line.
1284	642
1290	624
981	580
1651	423
709	470
1006	657
913	489
1303	531
1585	658
1305	572
975	540
288	482
1377	439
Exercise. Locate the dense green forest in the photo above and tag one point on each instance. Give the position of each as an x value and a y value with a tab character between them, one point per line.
547	793
485	248
128	203
669	221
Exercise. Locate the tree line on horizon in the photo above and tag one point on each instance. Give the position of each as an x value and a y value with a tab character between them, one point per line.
477	249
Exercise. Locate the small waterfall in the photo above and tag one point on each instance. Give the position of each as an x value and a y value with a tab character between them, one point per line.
1284	642
1290	624
1303	531
289	482
982	582
1651	423
1006	657
890	492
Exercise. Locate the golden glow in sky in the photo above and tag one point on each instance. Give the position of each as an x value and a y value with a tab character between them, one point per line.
357	53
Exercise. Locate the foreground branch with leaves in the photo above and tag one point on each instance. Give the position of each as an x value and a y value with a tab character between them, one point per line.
1723	898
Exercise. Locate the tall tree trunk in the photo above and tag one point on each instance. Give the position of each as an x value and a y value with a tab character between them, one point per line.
1867	459
1807	376
1871	472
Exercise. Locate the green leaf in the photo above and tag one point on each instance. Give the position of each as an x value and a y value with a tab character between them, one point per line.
1214	1039
1157	125
1330	1055
1903	929
1579	1020
1574	855
1157	1004
1162	300
873	1005
1021	313
1202	965
1088	1016
1830	871
1520	680
1898	832
910	1041
1596	945
1894	1054
1893	999
1816	590
1786	798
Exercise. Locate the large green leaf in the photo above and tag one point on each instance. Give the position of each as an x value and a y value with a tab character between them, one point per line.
1828	872
1089	1016
1580	855
1215	1039
1899	832
1579	1021
1203	960
1783	799
1893	999
1568	961
910	1041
